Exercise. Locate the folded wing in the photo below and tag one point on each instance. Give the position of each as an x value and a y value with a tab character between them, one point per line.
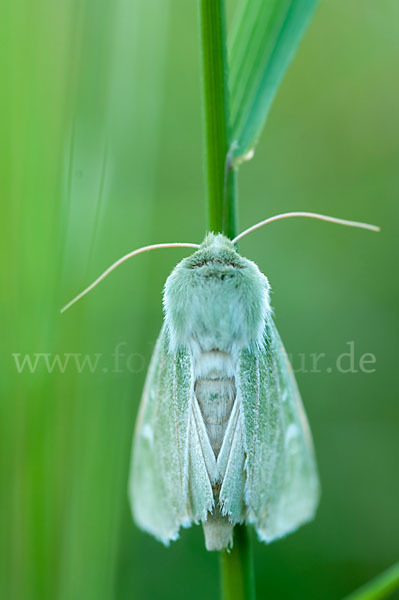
169	484
282	488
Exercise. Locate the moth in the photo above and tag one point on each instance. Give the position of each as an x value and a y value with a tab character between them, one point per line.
221	436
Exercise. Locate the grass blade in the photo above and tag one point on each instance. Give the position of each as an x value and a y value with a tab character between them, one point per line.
380	587
262	44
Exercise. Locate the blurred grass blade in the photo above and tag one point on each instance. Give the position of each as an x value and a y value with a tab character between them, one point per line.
380	587
264	39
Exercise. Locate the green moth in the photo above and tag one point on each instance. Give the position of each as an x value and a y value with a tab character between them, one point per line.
222	436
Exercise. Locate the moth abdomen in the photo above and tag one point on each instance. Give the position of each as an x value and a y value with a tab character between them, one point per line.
215	390
215	397
216	393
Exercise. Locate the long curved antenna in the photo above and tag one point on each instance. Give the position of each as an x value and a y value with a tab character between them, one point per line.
309	215
122	260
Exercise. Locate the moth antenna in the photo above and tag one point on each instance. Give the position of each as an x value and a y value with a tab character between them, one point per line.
122	260
309	215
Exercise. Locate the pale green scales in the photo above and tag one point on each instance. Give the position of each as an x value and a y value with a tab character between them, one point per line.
221	436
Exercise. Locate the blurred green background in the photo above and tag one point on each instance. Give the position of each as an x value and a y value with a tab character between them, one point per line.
101	152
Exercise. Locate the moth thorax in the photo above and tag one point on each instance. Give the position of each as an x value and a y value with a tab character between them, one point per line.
215	391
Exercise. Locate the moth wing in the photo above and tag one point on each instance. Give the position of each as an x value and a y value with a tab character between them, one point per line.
168	485
282	486
231	463
203	471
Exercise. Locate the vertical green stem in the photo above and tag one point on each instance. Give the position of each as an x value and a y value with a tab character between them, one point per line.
220	177
236	566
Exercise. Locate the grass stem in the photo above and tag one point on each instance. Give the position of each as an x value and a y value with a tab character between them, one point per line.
220	176
236	566
380	587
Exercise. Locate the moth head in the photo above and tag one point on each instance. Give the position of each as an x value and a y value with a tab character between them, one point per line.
216	251
216	299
